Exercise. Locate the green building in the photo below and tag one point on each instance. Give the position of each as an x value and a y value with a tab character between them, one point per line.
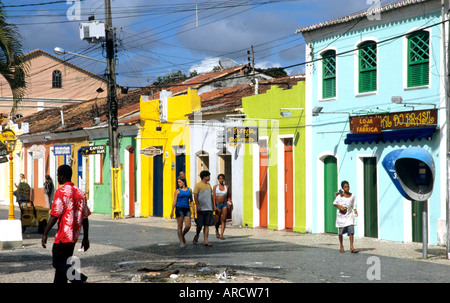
274	171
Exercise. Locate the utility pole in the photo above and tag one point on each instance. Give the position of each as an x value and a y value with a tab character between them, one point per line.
446	54
112	113
252	54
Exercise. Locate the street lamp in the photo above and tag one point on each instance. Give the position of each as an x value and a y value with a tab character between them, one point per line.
9	139
60	51
112	109
286	112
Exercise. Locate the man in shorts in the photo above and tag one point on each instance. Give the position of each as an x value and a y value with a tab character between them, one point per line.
205	207
345	203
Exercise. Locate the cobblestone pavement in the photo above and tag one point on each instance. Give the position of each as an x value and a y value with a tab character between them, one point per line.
141	250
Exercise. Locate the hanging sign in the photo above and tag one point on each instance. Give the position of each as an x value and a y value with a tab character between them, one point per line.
38	151
93	150
151	151
241	134
62	150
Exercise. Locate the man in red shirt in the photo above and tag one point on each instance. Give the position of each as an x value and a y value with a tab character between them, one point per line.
70	210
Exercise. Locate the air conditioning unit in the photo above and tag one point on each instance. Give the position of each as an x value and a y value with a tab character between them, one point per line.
93	31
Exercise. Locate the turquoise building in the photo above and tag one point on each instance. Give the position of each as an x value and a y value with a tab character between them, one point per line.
374	84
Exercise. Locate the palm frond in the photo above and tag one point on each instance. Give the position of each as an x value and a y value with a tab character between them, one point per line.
13	66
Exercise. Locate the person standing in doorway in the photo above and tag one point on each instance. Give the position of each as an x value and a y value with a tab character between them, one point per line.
70	210
222	200
345	203
48	191
205	206
182	209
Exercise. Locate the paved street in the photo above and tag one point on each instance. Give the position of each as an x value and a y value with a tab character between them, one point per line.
147	250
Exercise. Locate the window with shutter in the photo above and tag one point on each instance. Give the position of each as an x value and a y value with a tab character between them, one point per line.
368	67
418	59
329	74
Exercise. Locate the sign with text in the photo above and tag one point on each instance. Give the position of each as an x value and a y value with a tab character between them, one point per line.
365	125
94	150
151	151
38	151
409	119
241	134
62	149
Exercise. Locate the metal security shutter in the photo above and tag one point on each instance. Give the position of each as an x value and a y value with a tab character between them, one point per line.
368	67
418	59
329	75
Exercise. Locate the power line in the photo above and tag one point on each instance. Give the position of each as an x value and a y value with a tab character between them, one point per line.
313	60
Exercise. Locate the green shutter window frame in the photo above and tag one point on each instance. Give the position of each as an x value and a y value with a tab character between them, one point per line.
418	59
367	55
329	74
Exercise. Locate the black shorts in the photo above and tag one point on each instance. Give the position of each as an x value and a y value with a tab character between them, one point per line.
205	218
182	212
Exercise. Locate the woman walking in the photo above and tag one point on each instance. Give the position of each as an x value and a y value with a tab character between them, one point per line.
222	198
182	209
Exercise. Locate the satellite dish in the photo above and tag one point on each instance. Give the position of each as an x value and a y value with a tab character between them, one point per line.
226	63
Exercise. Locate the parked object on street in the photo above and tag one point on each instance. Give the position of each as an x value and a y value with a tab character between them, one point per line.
30	215
33	216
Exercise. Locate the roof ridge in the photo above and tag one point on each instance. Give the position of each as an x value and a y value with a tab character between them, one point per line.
355	16
38	50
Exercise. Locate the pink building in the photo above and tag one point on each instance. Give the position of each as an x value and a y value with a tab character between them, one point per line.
52	82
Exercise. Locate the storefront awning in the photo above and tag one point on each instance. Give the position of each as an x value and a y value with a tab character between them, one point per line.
392	136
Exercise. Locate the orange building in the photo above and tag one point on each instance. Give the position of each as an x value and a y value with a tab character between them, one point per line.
52	82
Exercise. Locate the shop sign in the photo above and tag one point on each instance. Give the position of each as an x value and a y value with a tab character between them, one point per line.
94	150
62	149
241	134
365	125
151	151
409	119
38	151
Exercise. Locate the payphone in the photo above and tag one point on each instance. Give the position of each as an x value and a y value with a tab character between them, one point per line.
412	171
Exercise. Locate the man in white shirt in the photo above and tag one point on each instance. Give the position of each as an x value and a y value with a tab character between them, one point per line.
345	203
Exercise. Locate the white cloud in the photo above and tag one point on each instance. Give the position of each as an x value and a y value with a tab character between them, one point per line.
205	66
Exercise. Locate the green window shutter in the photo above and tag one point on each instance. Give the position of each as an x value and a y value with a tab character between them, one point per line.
329	75
418	59
368	67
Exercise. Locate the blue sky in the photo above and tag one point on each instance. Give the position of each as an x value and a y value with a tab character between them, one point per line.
157	37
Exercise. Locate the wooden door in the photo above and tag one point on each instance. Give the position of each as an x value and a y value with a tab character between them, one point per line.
288	184
417	219
131	181
330	188
263	170
370	198
158	185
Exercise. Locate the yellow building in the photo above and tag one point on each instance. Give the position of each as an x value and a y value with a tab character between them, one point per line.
165	146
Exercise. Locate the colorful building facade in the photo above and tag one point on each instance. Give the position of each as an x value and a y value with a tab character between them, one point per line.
391	68
274	192
164	149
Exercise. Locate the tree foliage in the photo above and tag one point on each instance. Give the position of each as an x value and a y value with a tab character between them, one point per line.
13	66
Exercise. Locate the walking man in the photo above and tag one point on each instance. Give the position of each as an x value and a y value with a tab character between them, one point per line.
205	206
70	210
345	203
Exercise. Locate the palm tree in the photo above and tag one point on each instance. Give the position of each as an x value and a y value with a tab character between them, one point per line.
13	67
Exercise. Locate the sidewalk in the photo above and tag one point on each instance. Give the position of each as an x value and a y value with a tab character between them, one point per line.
119	260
